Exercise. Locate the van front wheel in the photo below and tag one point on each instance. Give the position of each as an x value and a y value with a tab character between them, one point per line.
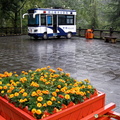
69	35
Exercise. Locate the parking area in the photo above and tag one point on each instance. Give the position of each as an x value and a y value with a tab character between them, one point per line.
82	58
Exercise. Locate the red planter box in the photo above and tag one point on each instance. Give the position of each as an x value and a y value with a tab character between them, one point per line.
76	112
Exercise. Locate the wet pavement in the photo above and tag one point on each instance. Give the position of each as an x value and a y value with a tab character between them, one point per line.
93	59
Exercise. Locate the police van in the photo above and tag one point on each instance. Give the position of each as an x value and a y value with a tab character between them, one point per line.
46	22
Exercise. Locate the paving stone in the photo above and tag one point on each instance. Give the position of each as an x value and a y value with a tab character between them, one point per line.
92	59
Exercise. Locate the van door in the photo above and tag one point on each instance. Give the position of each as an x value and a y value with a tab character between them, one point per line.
55	25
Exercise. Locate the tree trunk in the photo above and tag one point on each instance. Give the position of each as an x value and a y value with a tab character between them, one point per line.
15	22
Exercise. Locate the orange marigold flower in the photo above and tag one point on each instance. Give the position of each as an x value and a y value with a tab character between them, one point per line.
61	96
1	87
60	69
5	87
45	92
44	104
54	93
59	86
9	91
68	74
49	102
48	66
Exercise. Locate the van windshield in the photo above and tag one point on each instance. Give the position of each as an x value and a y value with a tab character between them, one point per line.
33	21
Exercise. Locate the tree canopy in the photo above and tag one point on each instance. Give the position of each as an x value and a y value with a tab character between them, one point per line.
101	14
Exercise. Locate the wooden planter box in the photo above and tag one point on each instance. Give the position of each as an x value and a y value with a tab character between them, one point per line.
76	112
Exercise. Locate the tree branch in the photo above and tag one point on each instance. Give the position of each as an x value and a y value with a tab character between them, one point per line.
22	6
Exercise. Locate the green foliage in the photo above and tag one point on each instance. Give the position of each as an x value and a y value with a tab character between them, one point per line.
114	14
101	14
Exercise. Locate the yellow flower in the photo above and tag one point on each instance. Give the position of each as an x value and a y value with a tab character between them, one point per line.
34	93
33	110
86	80
24	94
30	71
81	93
63	89
16	94
22	91
40	99
44	80
38	111
16	75
2	91
67	97
24	79
49	102
23	100
11	95
1	87
53	99
89	87
83	86
39	105
0	82
88	91
38	91
57	90
47	83
12	88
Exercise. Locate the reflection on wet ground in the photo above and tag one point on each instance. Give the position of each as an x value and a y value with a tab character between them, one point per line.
92	59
